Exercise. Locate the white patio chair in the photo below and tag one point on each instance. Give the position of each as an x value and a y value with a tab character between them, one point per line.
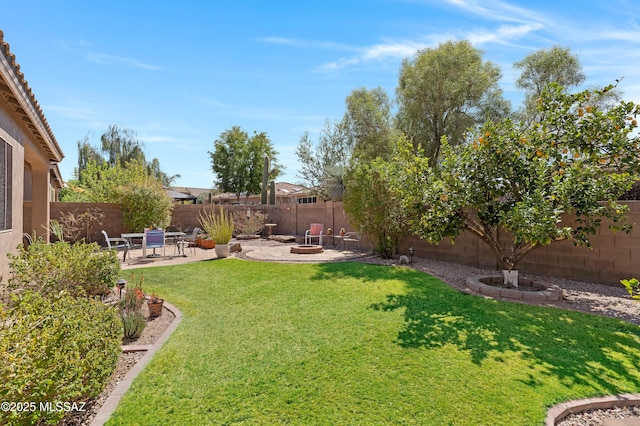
116	243
315	231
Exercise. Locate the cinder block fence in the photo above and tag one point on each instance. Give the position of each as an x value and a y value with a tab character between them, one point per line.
615	256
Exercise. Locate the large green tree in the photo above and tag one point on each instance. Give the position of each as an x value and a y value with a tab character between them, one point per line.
324	163
541	68
98	181
118	147
444	92
523	180
546	66
365	132
237	161
369	124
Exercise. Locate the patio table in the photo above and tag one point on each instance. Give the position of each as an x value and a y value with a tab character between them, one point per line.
129	235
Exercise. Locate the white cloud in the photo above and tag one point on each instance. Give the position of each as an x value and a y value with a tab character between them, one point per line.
396	50
503	34
107	59
306	43
496	10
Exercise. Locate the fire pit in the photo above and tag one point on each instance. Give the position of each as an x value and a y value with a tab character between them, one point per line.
307	249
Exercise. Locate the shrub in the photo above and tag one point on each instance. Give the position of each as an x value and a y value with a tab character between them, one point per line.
80	269
55	349
75	225
249	225
633	287
144	205
219	227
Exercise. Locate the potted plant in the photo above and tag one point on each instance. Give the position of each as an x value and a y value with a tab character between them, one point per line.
154	304
220	228
207	243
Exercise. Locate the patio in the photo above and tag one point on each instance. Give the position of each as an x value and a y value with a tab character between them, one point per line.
259	249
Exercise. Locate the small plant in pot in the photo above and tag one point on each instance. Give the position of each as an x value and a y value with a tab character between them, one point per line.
154	304
220	228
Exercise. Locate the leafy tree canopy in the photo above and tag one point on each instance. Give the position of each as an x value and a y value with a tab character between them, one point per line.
325	163
98	181
444	92
364	133
237	161
523	180
118	147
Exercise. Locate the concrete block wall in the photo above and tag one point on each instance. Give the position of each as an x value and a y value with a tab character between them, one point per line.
291	219
615	256
112	221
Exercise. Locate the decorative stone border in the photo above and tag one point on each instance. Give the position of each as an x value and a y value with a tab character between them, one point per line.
562	410
116	395
551	293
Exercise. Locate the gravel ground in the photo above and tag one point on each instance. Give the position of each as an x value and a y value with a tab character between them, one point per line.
612	301
578	295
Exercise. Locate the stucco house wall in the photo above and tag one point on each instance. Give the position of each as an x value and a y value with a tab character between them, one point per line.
32	172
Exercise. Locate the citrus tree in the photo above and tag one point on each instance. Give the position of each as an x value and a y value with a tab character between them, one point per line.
578	159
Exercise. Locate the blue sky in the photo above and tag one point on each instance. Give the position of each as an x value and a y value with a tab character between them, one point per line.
181	73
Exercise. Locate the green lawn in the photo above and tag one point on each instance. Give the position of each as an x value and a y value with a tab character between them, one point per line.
348	343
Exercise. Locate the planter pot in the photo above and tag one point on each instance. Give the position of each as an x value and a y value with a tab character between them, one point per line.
207	244
222	250
155	308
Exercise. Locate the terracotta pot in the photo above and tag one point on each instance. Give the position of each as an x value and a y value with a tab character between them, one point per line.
155	308
207	244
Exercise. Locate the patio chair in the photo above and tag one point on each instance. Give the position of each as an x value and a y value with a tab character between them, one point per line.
352	237
154	238
188	241
116	243
315	231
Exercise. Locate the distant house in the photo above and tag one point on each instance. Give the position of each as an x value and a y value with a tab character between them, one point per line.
29	157
188	195
286	193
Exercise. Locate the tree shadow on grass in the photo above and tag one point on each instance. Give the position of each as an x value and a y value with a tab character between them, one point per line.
572	346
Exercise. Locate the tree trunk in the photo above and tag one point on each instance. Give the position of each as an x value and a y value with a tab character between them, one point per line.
505	263
510	278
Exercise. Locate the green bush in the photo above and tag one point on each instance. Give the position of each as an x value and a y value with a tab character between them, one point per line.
144	205
80	269
55	349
